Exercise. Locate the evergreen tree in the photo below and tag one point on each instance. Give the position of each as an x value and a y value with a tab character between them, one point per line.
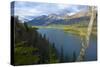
74	56
61	56
26	26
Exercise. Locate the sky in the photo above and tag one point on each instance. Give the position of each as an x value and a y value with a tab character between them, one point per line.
24	9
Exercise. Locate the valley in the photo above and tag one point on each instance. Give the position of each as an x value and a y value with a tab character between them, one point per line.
78	29
47	33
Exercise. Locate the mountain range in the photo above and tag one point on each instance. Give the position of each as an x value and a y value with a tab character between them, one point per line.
64	19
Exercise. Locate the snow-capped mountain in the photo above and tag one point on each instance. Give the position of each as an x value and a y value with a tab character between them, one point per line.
60	19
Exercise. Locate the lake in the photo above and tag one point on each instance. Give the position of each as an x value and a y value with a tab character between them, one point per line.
71	44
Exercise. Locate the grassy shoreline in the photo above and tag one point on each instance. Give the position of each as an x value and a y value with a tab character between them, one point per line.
74	29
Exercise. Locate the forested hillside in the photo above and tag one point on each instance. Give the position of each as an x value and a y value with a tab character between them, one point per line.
30	47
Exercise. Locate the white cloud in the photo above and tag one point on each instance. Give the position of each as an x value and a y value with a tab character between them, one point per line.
25	9
24	12
63	6
71	13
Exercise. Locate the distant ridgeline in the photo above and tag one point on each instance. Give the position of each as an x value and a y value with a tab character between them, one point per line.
31	47
82	17
45	21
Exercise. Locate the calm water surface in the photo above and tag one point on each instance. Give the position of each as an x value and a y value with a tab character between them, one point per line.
70	43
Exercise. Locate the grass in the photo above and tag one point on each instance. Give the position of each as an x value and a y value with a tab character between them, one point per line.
23	54
77	29
26	59
23	50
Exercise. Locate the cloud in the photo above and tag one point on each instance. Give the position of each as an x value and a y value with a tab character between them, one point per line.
27	12
63	6
24	9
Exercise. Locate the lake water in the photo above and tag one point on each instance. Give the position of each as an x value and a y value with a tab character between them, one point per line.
70	43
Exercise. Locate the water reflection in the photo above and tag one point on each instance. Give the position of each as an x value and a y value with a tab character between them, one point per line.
69	45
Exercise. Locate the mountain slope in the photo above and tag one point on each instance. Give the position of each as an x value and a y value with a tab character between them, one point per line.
60	19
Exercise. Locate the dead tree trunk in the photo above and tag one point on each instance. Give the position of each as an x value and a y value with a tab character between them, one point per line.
85	43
